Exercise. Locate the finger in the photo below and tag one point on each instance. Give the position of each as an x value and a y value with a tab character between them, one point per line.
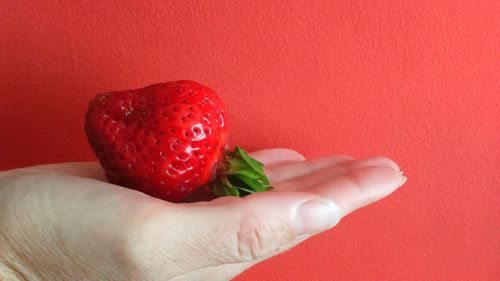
240	230
255	227
360	187
320	175
287	171
273	156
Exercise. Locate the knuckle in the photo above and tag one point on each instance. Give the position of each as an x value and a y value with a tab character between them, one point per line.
250	240
256	239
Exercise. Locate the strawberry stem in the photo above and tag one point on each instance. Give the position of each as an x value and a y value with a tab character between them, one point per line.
242	175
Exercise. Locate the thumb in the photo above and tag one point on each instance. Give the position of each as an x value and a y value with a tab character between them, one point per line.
236	230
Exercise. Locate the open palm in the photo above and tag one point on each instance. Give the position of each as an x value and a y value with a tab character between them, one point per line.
64	222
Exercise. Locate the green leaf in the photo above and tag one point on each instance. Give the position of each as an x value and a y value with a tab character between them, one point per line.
246	190
231	191
224	188
263	178
254	184
238	166
256	165
243	175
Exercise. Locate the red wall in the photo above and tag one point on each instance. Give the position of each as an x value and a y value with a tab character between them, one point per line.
414	80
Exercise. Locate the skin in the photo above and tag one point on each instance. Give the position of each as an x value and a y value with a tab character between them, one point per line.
64	222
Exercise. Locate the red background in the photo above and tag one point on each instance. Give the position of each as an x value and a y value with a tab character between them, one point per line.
414	80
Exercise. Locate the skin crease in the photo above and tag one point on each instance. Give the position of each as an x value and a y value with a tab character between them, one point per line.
64	222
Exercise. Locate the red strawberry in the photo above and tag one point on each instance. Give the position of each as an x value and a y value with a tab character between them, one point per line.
168	139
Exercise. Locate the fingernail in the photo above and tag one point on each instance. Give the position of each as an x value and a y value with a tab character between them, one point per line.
316	216
403	181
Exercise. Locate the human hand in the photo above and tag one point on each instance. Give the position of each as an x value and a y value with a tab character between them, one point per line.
63	222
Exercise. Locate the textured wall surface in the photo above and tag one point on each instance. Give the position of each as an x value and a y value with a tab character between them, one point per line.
414	80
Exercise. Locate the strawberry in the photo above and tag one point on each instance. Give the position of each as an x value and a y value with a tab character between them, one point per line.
167	140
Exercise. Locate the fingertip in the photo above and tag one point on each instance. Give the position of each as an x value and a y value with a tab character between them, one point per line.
361	187
378	182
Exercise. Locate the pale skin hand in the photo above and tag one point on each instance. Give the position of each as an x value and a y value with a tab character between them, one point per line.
64	222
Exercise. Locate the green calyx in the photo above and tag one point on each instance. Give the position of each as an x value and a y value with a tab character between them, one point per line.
241	175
